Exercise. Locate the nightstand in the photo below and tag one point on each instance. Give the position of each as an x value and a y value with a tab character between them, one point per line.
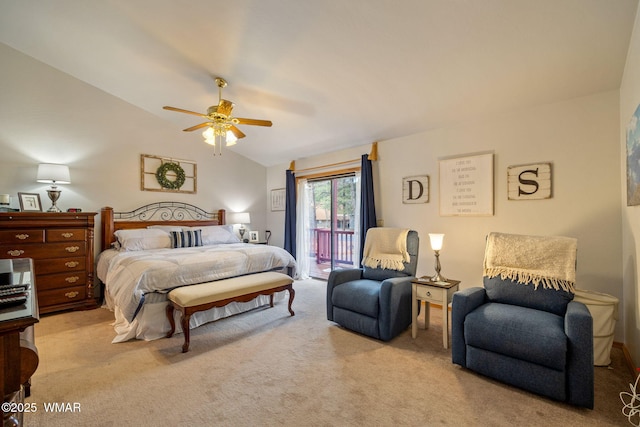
423	289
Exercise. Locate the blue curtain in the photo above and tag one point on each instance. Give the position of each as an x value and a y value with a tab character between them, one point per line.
367	201
290	214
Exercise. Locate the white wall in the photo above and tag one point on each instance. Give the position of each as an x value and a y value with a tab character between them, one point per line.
49	116
629	101
579	137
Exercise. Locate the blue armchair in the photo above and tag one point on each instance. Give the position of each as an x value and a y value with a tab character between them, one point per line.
523	328
374	301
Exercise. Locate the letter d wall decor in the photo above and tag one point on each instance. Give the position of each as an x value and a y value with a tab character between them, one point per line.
529	182
415	189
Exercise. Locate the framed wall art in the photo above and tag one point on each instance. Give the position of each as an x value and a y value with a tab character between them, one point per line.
529	182
167	174
415	189
29	202
466	185
633	159
278	199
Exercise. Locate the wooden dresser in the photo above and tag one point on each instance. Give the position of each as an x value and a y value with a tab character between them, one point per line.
61	246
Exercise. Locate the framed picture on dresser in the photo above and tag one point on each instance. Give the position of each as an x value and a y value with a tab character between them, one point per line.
30	202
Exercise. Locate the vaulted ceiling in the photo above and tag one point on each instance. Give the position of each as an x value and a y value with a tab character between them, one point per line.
330	74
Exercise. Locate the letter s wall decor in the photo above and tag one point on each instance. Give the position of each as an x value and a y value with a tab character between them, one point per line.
529	182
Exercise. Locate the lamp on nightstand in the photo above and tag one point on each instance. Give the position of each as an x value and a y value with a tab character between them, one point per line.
241	218
53	174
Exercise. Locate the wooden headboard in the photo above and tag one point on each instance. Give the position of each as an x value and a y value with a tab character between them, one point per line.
161	213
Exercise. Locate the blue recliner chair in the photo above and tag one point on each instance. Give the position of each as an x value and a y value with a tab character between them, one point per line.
374	301
523	328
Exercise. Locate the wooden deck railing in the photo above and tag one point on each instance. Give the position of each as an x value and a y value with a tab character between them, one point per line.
342	245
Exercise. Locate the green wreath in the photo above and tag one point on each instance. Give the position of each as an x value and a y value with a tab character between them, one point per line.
161	176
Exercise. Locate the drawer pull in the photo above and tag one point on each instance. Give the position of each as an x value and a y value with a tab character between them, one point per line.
67	235
22	236
428	293
71	294
72	264
72	279
72	249
15	252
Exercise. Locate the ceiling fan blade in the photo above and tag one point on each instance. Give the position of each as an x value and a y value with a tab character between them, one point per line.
237	132
180	110
196	127
253	122
225	107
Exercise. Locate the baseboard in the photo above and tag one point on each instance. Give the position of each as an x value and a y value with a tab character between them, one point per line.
627	358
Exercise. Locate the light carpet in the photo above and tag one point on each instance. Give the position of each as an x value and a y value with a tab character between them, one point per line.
265	368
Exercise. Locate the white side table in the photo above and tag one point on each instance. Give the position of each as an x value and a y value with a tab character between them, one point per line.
423	289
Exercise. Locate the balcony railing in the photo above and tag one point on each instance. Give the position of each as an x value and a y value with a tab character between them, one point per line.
342	245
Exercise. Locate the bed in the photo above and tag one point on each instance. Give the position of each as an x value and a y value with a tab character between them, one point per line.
158	247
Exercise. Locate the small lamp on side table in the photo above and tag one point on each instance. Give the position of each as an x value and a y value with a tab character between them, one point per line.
436	244
241	218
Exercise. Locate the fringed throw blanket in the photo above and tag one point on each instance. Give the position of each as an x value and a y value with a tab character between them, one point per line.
386	248
550	261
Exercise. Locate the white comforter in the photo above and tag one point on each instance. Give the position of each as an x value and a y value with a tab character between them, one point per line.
129	276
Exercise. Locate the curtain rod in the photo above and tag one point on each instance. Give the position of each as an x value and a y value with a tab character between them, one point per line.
373	156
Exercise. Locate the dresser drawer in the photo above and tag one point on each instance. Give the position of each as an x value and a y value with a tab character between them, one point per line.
60	280
40	251
59	265
432	294
66	235
22	236
61	296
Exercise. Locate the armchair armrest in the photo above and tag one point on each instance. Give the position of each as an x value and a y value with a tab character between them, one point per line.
578	325
463	303
395	306
336	278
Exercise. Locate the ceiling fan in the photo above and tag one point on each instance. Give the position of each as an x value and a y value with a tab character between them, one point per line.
221	126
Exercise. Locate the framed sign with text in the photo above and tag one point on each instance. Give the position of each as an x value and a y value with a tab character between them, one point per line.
466	185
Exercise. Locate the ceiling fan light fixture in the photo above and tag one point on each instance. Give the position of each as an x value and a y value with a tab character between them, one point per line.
220	125
231	138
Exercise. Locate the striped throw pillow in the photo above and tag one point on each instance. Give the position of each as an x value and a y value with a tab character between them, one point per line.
186	239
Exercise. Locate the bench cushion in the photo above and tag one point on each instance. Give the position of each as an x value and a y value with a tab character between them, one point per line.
203	293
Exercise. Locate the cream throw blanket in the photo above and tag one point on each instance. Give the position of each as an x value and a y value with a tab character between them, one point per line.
550	261
386	248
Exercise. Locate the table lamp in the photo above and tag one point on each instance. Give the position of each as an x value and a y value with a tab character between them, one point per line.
53	174
436	245
241	218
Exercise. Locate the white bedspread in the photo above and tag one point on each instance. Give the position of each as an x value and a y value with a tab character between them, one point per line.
130	276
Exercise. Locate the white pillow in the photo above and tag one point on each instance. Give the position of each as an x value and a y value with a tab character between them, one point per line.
143	238
216	234
167	228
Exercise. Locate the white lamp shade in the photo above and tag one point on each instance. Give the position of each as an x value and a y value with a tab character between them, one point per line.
436	241
239	218
53	174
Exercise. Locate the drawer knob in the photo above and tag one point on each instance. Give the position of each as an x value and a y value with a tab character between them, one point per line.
71	264
71	294
22	236
15	252
67	235
72	279
428	293
72	248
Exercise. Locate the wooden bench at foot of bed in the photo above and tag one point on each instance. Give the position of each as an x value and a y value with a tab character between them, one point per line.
204	296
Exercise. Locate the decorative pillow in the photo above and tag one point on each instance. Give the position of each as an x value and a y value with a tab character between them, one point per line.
186	238
216	234
142	238
507	291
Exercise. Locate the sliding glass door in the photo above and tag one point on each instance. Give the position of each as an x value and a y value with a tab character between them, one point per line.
331	203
